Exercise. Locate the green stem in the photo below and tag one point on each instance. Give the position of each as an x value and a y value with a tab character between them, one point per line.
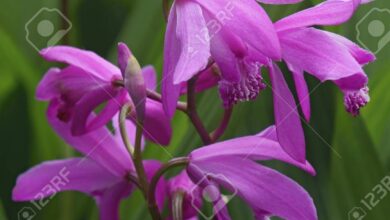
215	135
181	106
193	114
139	167
180	161
133	179
138	161
136	155
125	110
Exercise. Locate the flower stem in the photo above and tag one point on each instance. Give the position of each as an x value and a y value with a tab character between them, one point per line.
181	106
136	155
193	114
180	161
125	110
133	179
217	133
139	167
138	161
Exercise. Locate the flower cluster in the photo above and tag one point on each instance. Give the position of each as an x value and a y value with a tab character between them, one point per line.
107	112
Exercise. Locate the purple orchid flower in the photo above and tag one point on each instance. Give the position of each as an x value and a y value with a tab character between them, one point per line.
191	194
325	55
231	165
90	81
267	192
102	174
238	35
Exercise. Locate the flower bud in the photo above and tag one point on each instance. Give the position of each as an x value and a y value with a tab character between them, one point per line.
133	79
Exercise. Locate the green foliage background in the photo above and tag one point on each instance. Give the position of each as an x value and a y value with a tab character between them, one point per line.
351	155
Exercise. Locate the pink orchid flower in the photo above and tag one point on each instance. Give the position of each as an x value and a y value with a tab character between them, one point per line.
102	174
238	35
231	165
90	81
326	56
191	195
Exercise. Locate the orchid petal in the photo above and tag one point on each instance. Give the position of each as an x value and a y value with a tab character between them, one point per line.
354	82
303	93
150	77
206	80
89	103
151	167
224	56
208	185
260	147
170	96
72	82
46	179
288	123
261	215
106	114
99	145
192	197
275	193
249	20
194	51
170	92
269	133
108	200
361	55
330	12
86	60
315	52
157	125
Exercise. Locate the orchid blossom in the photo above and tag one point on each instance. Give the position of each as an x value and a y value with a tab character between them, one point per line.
325	55
182	187
200	32
208	43
103	174
231	165
88	82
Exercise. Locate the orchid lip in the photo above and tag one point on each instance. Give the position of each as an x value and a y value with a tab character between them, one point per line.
355	100
248	88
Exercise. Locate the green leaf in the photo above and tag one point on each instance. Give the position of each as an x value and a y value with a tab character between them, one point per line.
357	171
2	212
376	116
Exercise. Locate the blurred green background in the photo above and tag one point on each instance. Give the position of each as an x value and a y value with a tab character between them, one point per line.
351	155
